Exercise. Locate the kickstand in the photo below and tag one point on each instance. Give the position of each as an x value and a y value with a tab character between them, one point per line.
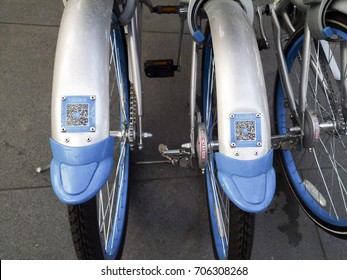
42	169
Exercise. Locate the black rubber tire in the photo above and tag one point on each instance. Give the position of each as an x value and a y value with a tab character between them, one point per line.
85	231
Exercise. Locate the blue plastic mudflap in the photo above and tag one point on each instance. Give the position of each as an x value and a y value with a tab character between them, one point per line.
78	173
250	184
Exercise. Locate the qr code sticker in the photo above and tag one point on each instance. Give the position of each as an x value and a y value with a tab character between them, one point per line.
77	115
245	130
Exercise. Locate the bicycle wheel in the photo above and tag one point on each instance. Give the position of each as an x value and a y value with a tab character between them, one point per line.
98	226
316	167
232	229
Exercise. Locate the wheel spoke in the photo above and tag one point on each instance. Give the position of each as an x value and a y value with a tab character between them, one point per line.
102	212
320	165
220	218
120	188
335	165
110	197
325	184
220	201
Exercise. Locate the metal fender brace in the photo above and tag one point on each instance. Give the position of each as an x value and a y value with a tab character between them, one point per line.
82	154
245	156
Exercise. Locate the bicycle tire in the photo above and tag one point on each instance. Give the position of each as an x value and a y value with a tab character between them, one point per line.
324	207
93	238
235	241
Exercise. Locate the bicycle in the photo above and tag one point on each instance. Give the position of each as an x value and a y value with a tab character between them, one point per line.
97	114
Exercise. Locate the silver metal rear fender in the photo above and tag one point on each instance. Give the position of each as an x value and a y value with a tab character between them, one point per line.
240	84
81	70
244	160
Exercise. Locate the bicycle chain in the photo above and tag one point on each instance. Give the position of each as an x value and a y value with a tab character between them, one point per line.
132	118
339	118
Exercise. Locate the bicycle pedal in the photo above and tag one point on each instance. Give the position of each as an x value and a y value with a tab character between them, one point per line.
166	9
263	44
161	68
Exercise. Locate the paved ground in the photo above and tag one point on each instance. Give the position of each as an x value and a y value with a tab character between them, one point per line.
168	216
